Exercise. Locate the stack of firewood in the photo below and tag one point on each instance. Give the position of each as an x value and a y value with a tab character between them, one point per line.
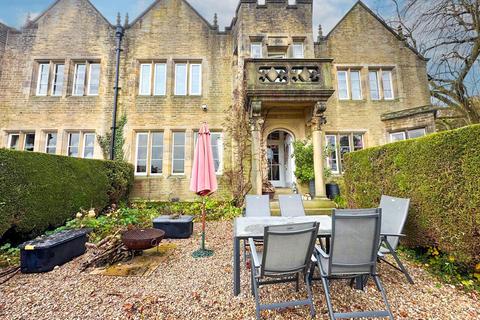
107	252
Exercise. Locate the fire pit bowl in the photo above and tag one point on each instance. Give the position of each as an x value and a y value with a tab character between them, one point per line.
142	239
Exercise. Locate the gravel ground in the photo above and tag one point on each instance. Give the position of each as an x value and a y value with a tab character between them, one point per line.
185	288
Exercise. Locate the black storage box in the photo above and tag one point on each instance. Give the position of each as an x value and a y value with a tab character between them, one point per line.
182	227
44	253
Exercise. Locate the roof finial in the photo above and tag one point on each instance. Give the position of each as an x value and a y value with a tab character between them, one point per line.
126	21
400	32
119	19
320	33
215	21
28	19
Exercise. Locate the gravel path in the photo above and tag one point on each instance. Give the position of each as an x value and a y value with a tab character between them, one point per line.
185	288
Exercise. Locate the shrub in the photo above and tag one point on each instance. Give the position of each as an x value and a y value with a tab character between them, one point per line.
303	153
40	191
440	173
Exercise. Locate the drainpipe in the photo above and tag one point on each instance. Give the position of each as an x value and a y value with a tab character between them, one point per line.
119	33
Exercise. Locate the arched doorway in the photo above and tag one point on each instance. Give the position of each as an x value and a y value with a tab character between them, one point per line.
281	165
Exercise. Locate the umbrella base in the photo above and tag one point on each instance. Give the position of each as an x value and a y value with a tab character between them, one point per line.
202	253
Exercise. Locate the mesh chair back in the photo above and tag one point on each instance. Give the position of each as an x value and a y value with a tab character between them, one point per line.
291	205
355	238
288	248
257	206
394	216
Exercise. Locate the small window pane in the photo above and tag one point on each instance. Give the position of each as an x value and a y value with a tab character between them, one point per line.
387	85
51	143
358	142
73	143
256	50
142	153
29	142
374	85
332	159
217	150
43	72
160	88
156	166
88	145
298	51
181	79
94	82
13	141
417	133
342	85
195	79
356	85
178	153
397	136
145	76
58	80
79	80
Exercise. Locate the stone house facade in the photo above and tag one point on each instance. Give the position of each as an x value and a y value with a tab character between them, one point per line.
359	86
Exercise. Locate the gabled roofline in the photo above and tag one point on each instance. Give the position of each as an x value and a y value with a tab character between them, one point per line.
146	11
57	1
360	3
8	27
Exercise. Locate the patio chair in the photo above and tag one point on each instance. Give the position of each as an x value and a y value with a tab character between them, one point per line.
287	254
353	254
291	205
255	206
394	216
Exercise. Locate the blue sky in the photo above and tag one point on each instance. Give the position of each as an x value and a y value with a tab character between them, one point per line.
327	12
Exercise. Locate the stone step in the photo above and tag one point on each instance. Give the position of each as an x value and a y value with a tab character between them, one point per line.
312	207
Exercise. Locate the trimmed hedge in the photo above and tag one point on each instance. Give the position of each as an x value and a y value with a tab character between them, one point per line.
440	173
40	191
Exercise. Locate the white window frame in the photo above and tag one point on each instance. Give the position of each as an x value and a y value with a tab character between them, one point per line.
69	146
9	141
137	138
359	82
54	83
74	89
149	170
176	93
377	85
390	75
220	153
164	87
337	159
347	81
46	142
417	129
403	133
301	45
190	69
25	140
85	145
39	77
173	153
90	78
256	44
140	92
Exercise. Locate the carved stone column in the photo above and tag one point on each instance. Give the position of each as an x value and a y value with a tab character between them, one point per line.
256	121
318	119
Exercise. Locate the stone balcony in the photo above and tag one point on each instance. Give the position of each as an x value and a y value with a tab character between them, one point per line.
284	80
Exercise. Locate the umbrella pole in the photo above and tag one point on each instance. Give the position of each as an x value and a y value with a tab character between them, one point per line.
203	223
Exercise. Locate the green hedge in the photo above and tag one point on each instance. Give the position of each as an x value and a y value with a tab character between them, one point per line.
440	173
40	191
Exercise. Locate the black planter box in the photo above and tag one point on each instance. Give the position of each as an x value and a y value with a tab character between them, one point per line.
44	253
181	228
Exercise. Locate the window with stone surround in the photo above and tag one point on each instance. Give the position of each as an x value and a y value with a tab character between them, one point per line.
49	78
178	152
188	78
256	50
349	84
298	50
407	134
21	141
81	144
86	78
153	79
339	144
381	84
149	153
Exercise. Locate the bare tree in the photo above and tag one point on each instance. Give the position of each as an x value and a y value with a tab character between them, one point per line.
446	32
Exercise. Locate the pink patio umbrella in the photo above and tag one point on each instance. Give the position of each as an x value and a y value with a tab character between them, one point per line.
204	179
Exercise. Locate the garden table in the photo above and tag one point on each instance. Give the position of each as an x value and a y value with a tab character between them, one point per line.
253	227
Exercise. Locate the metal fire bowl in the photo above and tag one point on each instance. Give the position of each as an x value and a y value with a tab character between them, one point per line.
142	239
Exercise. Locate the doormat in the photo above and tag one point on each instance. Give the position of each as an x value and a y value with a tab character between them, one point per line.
140	266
